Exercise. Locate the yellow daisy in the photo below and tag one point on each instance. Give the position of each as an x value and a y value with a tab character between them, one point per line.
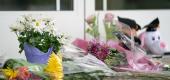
54	66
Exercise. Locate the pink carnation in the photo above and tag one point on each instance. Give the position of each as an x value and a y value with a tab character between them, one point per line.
91	19
98	49
108	17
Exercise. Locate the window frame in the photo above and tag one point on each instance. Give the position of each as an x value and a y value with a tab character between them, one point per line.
57	7
105	8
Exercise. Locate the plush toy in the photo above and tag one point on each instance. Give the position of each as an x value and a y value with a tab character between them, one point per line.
151	39
136	59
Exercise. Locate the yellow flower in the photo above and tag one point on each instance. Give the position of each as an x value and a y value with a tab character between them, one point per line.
54	66
10	73
37	24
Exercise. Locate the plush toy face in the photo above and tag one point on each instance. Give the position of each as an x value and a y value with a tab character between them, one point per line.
153	44
151	39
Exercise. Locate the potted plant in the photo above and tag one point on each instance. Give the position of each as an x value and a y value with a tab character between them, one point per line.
37	37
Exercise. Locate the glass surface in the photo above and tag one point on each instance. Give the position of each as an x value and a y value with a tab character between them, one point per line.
137	4
98	4
66	4
27	5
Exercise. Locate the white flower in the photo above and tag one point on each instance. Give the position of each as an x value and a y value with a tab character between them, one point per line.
38	25
17	28
35	28
63	38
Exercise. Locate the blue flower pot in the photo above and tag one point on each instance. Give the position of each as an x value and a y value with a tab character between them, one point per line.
34	55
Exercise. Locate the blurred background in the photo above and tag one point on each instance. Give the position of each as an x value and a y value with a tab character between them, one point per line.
50	5
70	16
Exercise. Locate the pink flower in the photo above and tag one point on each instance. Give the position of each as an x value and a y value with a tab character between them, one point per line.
23	73
108	17
98	49
91	19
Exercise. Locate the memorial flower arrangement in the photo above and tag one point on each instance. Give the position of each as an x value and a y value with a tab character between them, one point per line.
38	31
105	53
18	69
98	48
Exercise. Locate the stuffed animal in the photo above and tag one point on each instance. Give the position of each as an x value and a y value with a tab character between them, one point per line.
136	59
151	39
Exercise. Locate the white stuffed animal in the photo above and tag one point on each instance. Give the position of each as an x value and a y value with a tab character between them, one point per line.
151	39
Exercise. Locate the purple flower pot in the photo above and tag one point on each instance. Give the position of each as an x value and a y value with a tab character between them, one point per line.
34	55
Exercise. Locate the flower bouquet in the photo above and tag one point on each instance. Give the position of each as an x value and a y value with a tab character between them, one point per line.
105	53
79	66
122	58
96	47
37	37
18	69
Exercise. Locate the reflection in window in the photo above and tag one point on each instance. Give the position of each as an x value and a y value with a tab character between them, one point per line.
115	4
98	4
66	5
6	5
138	4
147	4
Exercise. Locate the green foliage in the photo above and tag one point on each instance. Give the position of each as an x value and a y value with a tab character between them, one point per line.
93	31
115	58
42	41
109	29
38	31
93	28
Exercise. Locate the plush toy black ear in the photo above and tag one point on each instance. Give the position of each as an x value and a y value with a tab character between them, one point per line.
130	22
138	27
153	25
137	40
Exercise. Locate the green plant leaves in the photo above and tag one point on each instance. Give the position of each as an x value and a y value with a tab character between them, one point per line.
42	41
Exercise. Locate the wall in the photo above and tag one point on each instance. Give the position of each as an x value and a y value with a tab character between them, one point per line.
73	24
9	43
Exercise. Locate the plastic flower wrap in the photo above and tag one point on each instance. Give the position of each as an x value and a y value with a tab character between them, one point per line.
22	70
38	31
78	66
93	28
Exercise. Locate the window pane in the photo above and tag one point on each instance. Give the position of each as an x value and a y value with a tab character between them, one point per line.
66	4
115	4
98	4
38	5
138	4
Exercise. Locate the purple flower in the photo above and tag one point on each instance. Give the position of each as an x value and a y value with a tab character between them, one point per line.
99	49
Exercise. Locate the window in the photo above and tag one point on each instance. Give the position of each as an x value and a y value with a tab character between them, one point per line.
132	4
66	4
114	4
146	4
98	4
38	5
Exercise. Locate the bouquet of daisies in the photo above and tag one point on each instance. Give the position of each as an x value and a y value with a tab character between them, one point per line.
38	31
